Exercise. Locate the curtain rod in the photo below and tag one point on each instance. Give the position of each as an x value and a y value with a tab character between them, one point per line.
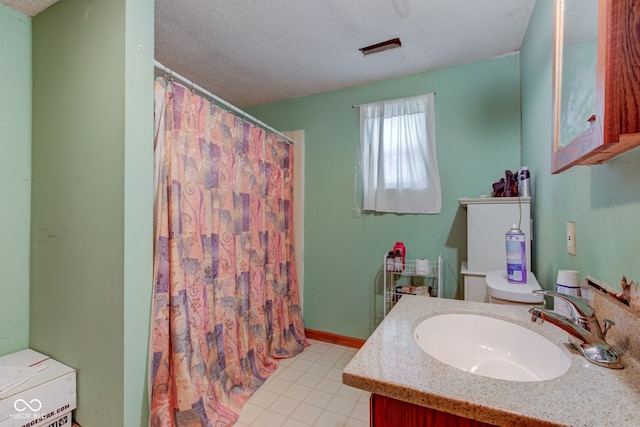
192	85
365	103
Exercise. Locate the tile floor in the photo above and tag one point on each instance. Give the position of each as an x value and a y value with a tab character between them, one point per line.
307	390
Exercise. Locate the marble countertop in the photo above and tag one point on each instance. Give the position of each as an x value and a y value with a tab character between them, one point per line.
391	364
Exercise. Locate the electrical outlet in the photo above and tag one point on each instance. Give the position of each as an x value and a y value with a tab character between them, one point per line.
571	238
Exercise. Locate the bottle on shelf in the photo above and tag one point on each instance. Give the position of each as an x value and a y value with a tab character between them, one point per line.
399	264
524	189
399	246
390	262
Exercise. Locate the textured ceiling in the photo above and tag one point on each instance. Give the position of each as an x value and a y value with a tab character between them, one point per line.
252	52
28	7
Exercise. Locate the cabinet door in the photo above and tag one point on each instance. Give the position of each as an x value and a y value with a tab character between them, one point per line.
615	126
388	412
487	224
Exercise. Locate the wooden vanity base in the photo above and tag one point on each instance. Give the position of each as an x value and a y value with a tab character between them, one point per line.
388	412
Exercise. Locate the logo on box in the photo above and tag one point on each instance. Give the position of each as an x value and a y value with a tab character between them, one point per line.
28	412
21	405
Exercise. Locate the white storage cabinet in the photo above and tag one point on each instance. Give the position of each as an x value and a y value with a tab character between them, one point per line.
488	220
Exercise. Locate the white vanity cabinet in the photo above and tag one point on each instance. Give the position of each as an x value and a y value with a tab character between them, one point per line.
488	220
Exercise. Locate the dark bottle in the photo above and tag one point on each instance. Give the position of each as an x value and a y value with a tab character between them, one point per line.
398	262
390	263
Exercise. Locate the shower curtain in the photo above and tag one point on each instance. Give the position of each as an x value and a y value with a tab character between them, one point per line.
226	303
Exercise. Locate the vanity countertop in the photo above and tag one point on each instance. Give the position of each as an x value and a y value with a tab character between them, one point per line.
391	364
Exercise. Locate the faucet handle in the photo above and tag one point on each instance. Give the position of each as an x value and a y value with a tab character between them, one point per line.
578	304
607	325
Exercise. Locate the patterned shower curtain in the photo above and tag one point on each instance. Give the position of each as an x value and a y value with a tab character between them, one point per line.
226	303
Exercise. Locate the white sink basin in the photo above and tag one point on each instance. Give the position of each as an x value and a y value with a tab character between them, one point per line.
491	347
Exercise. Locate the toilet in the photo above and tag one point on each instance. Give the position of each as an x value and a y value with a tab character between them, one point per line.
500	291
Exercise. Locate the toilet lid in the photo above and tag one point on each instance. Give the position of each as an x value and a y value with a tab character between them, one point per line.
499	287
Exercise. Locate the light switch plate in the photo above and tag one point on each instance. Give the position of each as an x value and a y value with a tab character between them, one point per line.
571	238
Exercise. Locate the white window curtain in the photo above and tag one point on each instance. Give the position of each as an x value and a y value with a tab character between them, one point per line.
399	166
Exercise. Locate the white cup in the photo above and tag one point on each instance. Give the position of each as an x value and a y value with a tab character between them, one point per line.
568	282
423	266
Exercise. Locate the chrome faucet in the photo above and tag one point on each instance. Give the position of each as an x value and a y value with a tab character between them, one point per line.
581	313
583	329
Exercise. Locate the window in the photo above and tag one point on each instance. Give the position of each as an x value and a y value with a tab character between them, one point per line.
398	162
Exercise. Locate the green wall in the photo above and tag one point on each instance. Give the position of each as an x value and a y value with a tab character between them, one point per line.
15	175
478	134
138	203
603	200
91	239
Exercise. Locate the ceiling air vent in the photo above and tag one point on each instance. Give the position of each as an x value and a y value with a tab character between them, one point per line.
380	47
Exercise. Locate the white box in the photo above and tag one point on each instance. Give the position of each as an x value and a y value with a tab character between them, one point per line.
63	420
45	400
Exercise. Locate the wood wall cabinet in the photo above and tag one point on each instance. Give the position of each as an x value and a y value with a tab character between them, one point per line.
615	128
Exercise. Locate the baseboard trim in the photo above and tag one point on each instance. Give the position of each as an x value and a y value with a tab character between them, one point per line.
334	338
